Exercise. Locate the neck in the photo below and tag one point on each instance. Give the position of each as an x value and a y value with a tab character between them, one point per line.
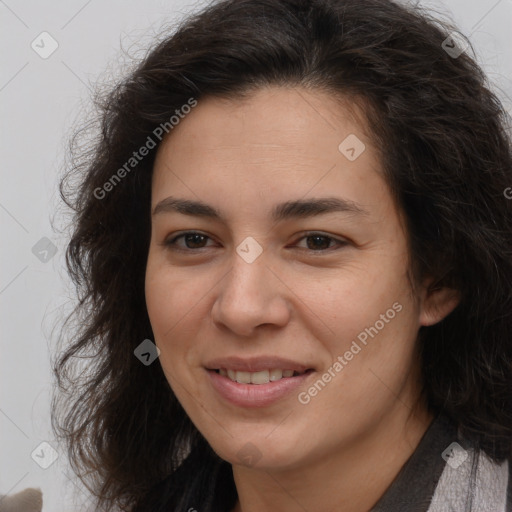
351	478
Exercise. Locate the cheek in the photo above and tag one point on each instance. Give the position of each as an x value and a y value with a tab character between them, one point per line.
355	300
167	304
168	296
375	324
160	299
372	378
176	303
379	327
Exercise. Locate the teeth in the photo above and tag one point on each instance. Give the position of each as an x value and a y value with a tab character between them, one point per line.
263	377
243	377
260	377
276	375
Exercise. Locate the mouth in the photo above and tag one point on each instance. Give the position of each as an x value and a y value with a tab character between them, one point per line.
259	377
256	389
257	381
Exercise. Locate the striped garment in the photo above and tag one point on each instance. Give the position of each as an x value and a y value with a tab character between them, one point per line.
445	475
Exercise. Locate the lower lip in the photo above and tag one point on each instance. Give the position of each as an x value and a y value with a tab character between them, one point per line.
255	395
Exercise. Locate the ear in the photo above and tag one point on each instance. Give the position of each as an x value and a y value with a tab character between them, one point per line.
437	303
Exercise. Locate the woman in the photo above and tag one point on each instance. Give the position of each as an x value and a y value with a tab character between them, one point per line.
293	252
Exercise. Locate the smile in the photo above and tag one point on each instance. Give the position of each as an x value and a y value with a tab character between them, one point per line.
257	389
261	377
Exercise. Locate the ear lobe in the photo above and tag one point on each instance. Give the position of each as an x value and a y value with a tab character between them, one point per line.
437	305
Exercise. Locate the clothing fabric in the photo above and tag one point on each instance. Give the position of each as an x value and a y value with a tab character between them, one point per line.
444	474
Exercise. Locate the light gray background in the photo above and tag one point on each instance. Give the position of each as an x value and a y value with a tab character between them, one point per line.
41	102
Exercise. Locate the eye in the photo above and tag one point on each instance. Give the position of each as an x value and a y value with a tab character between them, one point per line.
194	240
320	242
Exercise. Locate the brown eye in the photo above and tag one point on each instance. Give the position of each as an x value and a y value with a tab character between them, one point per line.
319	242
191	239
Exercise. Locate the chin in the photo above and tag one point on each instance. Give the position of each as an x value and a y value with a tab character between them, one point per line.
259	452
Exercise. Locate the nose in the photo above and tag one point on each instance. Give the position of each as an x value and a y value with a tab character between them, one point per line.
251	295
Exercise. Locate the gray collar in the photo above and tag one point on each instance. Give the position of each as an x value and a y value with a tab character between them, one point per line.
414	486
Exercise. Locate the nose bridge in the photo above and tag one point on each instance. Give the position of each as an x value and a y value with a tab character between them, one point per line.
248	267
247	284
249	295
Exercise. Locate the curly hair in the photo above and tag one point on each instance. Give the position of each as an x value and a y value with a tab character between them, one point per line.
442	139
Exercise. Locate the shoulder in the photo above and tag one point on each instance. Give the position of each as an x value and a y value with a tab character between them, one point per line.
447	473
471	481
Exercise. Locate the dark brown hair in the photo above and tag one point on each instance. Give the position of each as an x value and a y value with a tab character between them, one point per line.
447	157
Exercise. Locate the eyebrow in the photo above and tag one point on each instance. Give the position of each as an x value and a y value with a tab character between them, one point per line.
301	208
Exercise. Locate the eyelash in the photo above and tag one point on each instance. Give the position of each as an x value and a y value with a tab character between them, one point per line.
172	242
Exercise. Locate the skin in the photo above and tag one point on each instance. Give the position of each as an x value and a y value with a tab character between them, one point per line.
243	157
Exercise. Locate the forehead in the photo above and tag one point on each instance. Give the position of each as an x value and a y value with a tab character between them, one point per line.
285	142
273	117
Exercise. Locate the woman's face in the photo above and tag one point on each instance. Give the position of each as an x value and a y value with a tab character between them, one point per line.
267	285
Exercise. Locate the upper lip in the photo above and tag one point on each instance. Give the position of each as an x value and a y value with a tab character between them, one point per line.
255	364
